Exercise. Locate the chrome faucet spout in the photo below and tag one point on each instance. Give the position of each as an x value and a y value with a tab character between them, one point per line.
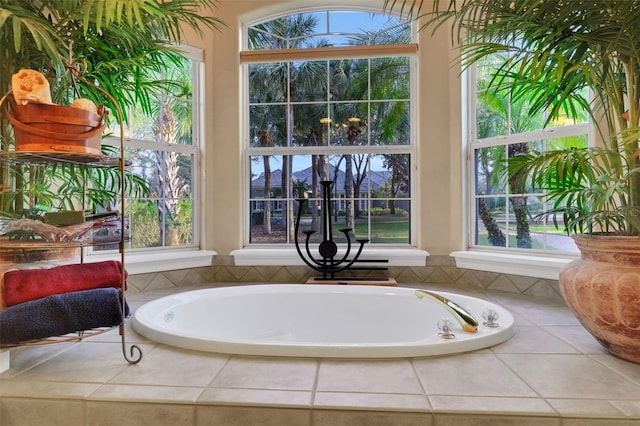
466	320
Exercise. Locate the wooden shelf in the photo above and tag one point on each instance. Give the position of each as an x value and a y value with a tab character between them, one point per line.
389	282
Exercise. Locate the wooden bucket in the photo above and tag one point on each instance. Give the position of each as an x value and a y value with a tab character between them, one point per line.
55	128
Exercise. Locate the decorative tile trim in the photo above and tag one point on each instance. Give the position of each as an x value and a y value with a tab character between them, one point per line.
441	271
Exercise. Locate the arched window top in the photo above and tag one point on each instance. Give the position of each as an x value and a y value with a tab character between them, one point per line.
328	28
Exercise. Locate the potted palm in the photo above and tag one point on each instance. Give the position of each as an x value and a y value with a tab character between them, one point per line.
556	49
118	48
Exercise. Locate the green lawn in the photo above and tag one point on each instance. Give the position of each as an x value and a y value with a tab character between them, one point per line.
540	229
483	240
384	229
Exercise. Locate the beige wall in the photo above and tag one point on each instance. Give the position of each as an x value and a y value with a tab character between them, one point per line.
438	172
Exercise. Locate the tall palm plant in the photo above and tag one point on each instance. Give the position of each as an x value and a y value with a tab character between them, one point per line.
125	42
556	50
125	45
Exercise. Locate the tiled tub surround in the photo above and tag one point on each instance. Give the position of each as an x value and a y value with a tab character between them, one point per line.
439	270
552	372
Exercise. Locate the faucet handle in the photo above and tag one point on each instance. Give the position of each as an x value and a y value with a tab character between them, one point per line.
445	325
490	316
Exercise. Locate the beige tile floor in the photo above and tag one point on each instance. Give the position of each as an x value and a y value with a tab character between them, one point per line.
552	372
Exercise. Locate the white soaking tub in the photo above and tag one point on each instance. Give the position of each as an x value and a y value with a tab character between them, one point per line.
343	321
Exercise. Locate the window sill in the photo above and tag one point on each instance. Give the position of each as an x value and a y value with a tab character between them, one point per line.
144	263
530	266
290	257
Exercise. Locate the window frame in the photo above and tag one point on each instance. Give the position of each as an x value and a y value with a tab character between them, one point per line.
472	143
248	57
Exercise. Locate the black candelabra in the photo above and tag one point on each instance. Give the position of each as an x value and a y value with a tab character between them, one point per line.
328	264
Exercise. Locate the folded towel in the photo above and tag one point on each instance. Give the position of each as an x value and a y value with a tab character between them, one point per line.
23	285
61	314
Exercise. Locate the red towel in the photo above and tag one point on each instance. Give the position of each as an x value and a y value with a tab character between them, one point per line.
23	285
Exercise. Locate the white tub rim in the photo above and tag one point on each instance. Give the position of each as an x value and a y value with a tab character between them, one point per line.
463	343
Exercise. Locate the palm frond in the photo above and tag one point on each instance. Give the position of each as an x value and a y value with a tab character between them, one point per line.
589	187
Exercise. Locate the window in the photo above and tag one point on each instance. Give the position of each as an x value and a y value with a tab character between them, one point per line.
329	99
505	214
162	149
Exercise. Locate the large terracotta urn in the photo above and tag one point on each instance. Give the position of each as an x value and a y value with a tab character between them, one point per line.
603	290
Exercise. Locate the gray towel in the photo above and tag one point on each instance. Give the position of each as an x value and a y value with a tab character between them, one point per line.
61	314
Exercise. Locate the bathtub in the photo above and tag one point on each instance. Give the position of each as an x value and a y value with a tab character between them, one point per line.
336	321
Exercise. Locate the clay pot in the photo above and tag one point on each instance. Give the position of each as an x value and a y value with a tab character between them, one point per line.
603	290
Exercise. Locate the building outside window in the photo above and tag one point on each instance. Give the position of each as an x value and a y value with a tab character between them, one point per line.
328	98
161	147
505	212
